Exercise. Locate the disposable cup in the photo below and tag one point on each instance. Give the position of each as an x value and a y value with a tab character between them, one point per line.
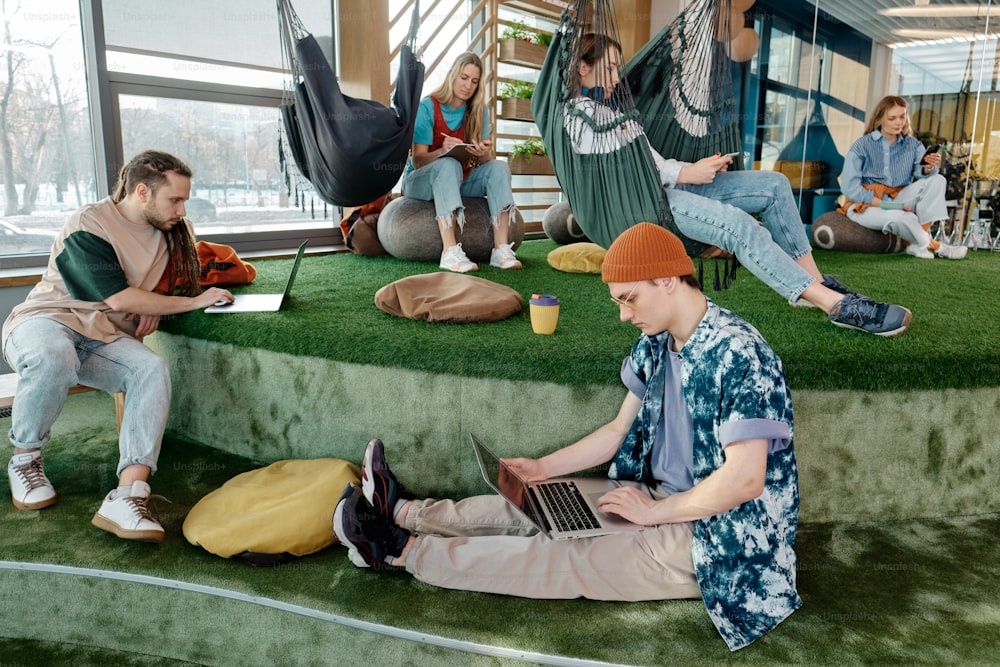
544	313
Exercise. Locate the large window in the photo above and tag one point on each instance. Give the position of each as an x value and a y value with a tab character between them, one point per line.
46	146
85	85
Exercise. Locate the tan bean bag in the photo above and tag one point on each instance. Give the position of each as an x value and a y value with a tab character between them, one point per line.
285	508
448	297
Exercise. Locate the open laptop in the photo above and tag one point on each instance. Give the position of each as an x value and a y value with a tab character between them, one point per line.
263	303
562	508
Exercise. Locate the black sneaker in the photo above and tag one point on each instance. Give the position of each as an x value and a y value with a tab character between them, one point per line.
859	312
371	540
829	282
378	484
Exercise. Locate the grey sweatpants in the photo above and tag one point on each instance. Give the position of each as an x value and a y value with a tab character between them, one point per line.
483	544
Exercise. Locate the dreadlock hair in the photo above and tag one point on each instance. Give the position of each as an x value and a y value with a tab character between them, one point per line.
150	167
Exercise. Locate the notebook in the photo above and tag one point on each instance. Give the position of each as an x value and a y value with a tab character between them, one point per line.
562	508
263	303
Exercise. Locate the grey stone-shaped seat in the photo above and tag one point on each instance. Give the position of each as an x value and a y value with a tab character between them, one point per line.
407	229
560	225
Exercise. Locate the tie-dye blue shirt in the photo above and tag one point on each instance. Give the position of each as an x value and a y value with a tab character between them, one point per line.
733	382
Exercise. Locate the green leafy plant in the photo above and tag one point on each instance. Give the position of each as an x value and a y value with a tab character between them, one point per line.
529	148
522	90
519	30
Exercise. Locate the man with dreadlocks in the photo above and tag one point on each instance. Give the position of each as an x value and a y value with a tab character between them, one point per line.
84	323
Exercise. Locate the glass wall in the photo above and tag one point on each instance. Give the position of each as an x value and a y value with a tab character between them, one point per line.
46	145
85	85
821	67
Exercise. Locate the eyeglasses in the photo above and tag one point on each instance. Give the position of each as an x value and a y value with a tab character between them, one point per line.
627	301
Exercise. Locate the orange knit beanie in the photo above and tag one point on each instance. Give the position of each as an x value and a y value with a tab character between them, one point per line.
643	252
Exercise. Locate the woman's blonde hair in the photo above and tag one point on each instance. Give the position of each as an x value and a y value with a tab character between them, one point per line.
473	120
883	106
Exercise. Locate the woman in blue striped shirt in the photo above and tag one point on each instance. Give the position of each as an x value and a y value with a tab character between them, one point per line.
891	184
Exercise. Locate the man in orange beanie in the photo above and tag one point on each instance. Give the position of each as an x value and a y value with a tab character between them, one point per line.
706	428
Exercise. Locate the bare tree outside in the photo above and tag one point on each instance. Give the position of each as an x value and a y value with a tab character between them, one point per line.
46	150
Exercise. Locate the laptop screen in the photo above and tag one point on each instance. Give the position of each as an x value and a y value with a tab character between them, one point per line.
503	480
295	270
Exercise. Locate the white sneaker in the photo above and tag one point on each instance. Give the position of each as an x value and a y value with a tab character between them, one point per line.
125	512
952	251
504	257
454	259
30	489
923	252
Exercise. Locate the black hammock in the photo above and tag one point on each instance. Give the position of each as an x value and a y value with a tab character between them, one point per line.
352	151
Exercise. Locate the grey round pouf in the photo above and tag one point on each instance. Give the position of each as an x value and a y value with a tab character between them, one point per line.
408	229
560	225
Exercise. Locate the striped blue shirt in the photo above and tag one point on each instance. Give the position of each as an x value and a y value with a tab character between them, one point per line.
873	160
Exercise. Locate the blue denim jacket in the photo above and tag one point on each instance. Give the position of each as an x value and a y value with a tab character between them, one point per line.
744	558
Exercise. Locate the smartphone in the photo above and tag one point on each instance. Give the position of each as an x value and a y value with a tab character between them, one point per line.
891	205
931	149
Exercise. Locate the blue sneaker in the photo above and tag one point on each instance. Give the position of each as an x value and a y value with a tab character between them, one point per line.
859	312
372	541
830	282
378	483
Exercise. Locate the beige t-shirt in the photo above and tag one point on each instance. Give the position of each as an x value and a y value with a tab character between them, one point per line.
98	253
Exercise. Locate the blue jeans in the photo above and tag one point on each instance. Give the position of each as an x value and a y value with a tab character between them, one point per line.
718	213
49	358
441	181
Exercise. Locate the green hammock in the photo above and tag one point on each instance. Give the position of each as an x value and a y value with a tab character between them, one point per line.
682	83
618	185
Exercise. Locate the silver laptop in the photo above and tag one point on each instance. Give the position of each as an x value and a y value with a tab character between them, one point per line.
561	508
262	303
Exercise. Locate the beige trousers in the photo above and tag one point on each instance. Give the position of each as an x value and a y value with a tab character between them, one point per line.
484	544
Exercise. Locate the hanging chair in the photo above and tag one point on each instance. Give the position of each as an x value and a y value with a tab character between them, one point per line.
353	151
682	82
616	184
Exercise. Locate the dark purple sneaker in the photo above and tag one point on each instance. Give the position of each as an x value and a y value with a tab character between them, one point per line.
378	484
371	540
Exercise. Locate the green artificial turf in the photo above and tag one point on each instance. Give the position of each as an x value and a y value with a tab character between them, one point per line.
917	592
951	343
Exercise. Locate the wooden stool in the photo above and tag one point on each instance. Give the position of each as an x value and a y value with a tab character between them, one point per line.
8	385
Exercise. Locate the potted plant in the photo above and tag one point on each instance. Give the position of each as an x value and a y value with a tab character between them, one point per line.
515	99
520	45
529	157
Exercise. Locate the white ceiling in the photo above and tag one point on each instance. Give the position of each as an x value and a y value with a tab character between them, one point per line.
947	62
863	16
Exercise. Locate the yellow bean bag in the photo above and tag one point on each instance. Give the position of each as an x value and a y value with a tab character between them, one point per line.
280	511
582	257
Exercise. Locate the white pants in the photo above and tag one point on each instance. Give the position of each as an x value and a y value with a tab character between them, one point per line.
483	544
924	201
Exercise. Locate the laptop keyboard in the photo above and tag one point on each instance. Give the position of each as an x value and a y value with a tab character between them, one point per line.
568	508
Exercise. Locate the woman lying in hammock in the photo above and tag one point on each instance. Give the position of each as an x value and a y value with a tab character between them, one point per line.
712	205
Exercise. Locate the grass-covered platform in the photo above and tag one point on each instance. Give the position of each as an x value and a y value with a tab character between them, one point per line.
897	443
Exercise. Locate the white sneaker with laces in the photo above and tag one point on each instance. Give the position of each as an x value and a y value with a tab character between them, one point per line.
454	259
952	251
923	252
504	257
125	512
30	489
